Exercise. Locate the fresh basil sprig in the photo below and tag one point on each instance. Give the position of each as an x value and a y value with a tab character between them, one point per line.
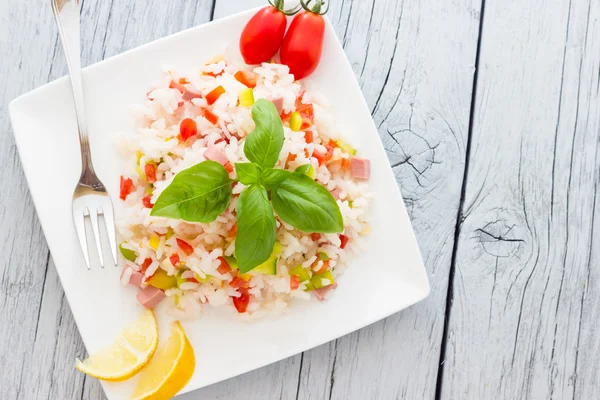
202	192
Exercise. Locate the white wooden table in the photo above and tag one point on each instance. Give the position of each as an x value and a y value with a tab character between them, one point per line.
490	113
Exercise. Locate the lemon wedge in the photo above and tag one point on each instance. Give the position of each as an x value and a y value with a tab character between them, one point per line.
169	370
128	354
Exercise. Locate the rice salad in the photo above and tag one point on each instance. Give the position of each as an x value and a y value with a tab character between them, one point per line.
192	115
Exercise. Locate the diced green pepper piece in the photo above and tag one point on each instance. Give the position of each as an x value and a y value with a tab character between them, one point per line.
309	286
269	266
233	264
323	256
202	280
308	170
346	147
246	97
127	253
295	121
350	203
317	279
301	272
169	233
161	280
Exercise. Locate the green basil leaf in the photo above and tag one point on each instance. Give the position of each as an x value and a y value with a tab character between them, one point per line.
263	145
307	205
248	173
273	177
256	228
197	194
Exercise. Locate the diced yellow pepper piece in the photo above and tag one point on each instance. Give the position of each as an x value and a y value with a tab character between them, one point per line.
246	97
161	280
346	148
154	242
245	277
295	121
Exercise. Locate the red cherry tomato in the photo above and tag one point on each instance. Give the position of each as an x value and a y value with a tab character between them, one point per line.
263	34
303	43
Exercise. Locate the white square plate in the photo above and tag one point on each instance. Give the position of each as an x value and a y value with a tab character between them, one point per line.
389	277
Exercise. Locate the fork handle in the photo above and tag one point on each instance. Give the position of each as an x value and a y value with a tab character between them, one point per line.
67	15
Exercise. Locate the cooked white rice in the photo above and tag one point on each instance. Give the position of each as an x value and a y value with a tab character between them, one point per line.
155	140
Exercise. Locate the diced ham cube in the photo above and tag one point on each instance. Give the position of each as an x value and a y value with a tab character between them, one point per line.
178	86
321	292
278	102
336	193
150	296
189	95
360	168
133	277
215	154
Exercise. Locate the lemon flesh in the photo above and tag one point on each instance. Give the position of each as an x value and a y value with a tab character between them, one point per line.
127	355
169	370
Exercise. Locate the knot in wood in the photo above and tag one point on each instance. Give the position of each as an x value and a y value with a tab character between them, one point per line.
500	239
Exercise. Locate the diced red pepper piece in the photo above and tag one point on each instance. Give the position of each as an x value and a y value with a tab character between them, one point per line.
147	201
294	282
307	112
344	239
212	118
223	267
126	187
193	280
228	167
246	78
308	137
146	264
213	74
241	303
323	158
323	268
315	236
291	157
185	247
214	94
174	259
187	129
238	282
332	144
233	230
345	164
150	171
285	116
183	81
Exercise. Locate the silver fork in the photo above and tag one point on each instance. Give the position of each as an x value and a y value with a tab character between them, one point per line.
90	198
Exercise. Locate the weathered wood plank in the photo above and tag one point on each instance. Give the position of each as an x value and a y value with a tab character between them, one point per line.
521	323
414	62
23	252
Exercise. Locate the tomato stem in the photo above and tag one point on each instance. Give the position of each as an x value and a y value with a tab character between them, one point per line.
279	4
316	9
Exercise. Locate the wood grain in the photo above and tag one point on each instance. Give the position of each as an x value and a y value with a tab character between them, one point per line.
525	303
414	61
